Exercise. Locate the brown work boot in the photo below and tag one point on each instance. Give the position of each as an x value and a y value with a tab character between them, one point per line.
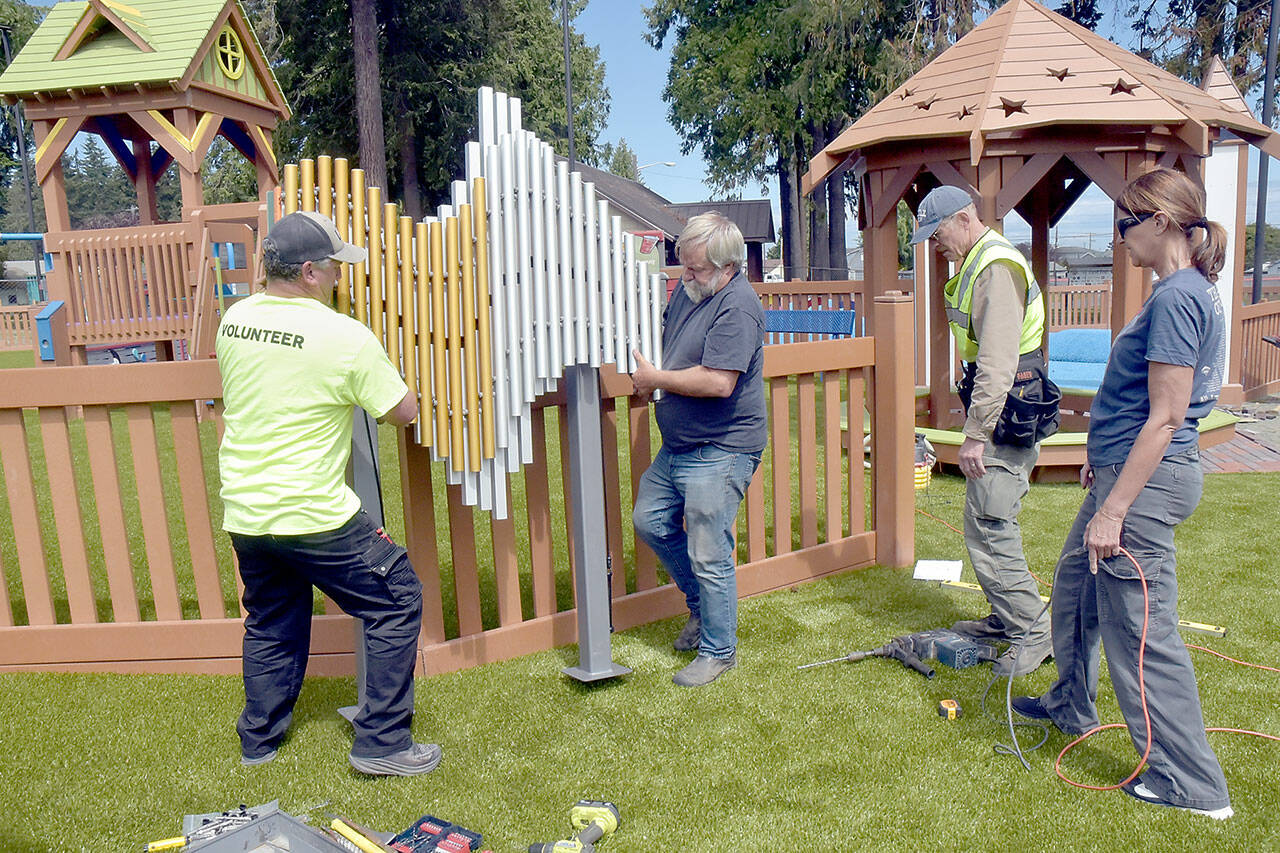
988	628
1021	657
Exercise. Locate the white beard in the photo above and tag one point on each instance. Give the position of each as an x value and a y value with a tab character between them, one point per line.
697	292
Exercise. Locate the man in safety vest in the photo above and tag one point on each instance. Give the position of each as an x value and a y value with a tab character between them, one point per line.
996	314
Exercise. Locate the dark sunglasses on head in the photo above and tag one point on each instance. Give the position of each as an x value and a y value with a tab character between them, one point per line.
1123	225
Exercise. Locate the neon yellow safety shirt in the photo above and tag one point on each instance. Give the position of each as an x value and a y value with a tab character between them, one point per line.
958	294
292	371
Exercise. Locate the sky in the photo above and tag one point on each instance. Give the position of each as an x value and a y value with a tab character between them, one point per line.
635	74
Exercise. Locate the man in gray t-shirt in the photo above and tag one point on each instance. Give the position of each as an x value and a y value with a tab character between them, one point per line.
712	418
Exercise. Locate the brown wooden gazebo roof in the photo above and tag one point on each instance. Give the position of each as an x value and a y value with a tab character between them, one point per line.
1027	67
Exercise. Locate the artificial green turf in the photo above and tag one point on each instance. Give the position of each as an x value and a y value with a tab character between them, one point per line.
845	757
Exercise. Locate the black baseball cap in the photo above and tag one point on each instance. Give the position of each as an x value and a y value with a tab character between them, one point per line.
306	236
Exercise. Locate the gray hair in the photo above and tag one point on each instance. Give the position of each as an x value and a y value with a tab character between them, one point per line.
719	235
274	268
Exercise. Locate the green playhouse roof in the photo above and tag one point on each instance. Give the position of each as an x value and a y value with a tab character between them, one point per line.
147	42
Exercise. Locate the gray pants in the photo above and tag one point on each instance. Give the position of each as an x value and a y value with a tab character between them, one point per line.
994	539
1108	607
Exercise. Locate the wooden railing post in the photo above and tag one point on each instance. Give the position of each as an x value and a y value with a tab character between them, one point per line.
893	431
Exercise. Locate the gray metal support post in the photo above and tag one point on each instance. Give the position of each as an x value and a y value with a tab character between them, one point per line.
365	479
586	468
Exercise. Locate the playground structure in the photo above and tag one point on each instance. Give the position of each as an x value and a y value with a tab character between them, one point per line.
134	436
1026	111
158	81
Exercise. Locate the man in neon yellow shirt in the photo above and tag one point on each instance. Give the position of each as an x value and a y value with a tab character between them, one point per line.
996	313
293	370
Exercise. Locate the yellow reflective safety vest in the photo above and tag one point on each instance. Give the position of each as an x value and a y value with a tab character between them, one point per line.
958	294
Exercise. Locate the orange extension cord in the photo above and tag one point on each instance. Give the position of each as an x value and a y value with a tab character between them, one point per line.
1142	691
1146	717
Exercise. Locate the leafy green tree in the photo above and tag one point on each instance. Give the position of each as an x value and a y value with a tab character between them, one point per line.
619	160
1183	36
20	21
1270	244
758	85
434	55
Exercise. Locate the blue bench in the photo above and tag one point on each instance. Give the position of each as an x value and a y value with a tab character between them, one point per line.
835	323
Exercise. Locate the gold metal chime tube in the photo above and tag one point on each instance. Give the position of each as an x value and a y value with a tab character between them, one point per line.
425	423
467	259
407	320
290	188
342	219
484	340
359	230
308	184
391	280
455	344
375	263
439	384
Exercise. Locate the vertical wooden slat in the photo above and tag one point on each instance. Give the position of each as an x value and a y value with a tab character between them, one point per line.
195	509
755	517
856	383
612	494
420	531
151	510
466	578
806	441
66	513
20	484
538	493
106	492
780	444
646	560
831	452
506	566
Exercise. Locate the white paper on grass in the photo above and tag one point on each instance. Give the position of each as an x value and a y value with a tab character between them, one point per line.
937	570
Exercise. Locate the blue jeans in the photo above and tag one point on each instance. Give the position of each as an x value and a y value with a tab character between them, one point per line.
370	578
1106	610
685	510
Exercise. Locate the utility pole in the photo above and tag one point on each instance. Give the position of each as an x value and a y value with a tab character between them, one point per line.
1264	160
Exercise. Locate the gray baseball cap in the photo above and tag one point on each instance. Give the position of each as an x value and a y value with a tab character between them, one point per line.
306	236
940	203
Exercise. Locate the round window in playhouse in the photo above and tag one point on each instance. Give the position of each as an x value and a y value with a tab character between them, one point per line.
230	53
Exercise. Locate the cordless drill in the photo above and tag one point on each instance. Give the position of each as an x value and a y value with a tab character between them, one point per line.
593	819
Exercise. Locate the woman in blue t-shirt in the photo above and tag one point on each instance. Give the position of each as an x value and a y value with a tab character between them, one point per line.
1116	577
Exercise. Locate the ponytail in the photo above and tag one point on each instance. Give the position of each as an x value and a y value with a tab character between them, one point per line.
1210	255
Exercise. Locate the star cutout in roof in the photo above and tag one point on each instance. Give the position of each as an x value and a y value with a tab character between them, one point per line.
965	112
1010	107
1060	73
906	93
926	103
1123	87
